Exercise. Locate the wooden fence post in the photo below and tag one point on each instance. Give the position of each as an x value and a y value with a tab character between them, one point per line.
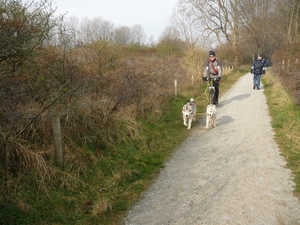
57	139
175	86
141	104
192	80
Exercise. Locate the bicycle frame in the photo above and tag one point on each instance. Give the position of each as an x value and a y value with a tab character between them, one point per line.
211	91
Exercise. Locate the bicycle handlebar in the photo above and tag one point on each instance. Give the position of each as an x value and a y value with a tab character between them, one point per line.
211	79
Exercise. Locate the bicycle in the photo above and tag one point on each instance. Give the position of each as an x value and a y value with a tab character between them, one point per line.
210	88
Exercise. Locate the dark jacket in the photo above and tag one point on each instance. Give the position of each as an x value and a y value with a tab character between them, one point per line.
258	67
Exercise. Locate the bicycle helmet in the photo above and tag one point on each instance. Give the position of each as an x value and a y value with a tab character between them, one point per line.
191	100
212	53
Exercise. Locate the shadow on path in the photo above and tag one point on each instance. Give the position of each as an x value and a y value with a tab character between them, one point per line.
235	98
224	120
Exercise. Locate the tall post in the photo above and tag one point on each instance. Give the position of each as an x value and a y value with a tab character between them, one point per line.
192	80
175	86
57	139
141	104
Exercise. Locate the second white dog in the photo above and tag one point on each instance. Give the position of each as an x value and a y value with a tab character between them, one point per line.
188	114
211	115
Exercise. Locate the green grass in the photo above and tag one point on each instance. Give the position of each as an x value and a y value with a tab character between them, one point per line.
285	122
112	180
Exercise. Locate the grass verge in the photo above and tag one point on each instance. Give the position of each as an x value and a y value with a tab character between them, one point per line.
285	122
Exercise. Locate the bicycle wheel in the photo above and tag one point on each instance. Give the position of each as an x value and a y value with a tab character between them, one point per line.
211	94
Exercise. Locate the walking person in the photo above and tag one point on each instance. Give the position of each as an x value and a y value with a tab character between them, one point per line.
257	69
267	63
213	69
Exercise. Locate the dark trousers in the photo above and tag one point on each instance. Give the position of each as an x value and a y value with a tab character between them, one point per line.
216	85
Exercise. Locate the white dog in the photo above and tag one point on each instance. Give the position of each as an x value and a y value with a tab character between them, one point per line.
211	115
189	113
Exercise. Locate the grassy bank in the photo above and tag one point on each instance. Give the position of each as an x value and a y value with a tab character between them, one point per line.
285	122
113	180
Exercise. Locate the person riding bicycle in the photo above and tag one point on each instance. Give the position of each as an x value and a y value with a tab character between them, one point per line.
213	70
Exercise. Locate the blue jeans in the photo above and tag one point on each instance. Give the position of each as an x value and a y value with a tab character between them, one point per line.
256	80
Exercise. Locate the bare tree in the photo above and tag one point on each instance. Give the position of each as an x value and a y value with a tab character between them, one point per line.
138	35
24	27
218	17
170	32
122	35
189	29
64	35
86	30
72	30
151	41
267	25
252	26
289	11
101	29
97	29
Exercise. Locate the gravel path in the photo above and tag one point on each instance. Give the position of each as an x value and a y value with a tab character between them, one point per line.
231	174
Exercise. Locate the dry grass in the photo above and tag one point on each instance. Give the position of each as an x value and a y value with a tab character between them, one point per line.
23	160
101	207
286	123
280	96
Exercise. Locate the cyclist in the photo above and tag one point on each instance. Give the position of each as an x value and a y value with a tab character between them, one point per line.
213	70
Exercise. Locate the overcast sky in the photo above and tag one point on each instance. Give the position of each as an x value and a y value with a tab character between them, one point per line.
153	15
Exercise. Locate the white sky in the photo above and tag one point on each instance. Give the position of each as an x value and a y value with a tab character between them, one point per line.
153	15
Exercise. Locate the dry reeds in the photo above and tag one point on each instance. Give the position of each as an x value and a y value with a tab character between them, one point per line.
19	157
282	97
101	206
19	161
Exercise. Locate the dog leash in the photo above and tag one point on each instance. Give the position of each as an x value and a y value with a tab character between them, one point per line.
201	96
204	93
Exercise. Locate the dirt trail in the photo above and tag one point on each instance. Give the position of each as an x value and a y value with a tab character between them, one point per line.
231	174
